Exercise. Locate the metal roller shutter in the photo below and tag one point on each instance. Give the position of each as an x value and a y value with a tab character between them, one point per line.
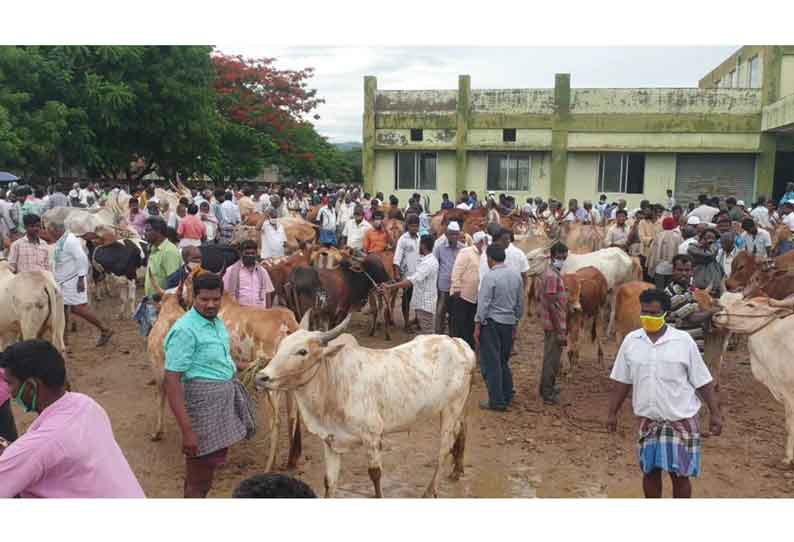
720	175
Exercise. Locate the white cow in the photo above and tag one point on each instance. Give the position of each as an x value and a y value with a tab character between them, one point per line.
32	308
615	265
769	330
349	395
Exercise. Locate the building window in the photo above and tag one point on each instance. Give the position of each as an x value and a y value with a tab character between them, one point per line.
416	134
733	80
755	72
509	135
620	172
415	171
508	172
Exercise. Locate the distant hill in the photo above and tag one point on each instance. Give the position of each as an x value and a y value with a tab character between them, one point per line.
348	145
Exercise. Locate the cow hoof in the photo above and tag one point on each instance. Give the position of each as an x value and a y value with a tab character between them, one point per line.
156	437
454	476
786	464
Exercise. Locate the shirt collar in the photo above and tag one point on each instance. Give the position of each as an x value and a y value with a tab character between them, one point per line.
668	336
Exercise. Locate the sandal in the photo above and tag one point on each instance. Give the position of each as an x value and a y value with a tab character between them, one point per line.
104	338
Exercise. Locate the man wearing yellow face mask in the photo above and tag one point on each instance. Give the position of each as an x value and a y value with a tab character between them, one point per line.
669	378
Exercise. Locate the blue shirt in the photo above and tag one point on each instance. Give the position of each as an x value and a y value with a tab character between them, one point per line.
446	255
199	348
501	296
447	204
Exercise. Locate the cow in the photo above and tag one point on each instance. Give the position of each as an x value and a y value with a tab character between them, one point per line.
582	238
280	269
254	335
349	395
769	281
333	293
32	308
326	257
394	229
627	307
119	262
744	266
769	327
587	294
615	265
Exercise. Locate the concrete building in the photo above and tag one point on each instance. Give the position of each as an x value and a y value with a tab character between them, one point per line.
733	135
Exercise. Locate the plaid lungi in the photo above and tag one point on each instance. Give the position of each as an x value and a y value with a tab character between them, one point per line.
670	446
221	413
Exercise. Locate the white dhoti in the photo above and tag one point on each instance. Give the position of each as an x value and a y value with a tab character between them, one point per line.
71	297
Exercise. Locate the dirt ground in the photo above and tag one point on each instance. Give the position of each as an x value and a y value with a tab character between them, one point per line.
530	451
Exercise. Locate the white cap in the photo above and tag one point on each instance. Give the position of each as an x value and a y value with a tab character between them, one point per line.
453	226
479	236
740	203
693	221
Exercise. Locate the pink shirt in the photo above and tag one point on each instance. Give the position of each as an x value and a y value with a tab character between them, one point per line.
250	284
68	452
191	227
4	396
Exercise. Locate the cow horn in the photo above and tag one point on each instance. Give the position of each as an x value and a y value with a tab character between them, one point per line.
329	336
306	320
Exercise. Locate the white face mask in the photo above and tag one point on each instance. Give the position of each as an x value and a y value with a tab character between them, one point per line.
558	264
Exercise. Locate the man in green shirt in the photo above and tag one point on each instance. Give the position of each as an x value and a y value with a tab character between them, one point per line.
164	257
210	405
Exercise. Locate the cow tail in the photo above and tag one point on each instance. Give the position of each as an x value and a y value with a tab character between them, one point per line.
57	318
593	333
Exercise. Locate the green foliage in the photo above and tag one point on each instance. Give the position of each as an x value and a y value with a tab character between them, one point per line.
126	111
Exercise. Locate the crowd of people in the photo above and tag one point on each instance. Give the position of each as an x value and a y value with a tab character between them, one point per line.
472	287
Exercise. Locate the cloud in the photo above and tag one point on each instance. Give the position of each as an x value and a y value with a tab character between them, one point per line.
339	71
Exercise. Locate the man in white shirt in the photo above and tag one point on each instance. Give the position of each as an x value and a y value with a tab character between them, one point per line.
327	219
756	241
406	256
760	214
670	200
355	230
273	238
263	203
423	282
344	213
787	217
689	234
704	212
667	374
71	267
463	205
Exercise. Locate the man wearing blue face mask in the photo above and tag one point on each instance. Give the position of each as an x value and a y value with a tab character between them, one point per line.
553	301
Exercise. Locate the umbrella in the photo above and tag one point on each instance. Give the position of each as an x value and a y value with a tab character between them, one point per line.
6	177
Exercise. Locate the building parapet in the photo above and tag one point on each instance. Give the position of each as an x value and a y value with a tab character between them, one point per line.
665	101
779	115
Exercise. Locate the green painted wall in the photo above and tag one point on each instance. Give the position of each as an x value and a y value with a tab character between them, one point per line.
368	148
582	178
539	180
786	76
445	177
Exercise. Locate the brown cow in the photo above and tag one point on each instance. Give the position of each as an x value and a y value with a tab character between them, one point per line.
770	282
254	335
279	270
627	308
745	265
394	228
587	296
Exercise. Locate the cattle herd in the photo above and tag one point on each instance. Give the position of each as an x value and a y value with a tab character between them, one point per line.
349	395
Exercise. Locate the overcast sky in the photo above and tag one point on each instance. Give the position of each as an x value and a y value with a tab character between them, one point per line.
340	71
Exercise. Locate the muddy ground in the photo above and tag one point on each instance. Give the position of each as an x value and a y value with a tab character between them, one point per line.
530	451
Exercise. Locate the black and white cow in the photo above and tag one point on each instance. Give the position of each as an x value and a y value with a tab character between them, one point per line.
119	263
